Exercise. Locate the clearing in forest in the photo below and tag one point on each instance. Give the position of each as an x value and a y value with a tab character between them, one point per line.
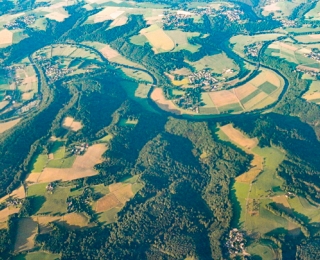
70	123
26	232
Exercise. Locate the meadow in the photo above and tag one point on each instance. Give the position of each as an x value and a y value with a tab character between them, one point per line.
37	256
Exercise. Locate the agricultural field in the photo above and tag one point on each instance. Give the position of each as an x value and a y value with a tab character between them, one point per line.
115	198
111	54
71	124
218	63
137	75
281	9
8	125
313	14
295	53
313	93
261	91
309	38
158	39
181	40
26	232
239	42
73	167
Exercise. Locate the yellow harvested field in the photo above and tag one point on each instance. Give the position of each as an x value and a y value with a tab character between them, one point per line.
109	53
272	7
158	39
27	96
3	104
266	75
301	67
239	138
59	17
5	213
44	221
282	200
26	232
310	96
74	220
124	194
31	79
18	193
82	167
119	21
314	36
223	98
245	90
3	225
108	13
288	46
6	37
107	202
256	100
158	97
256	167
69	123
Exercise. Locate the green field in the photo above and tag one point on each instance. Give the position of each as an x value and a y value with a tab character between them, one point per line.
39	162
37	256
267	87
47	203
262	250
65	162
181	40
218	63
58	149
137	75
232	108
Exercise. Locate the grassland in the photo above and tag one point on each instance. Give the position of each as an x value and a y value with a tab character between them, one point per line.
26	232
281	9
181	40
218	63
137	75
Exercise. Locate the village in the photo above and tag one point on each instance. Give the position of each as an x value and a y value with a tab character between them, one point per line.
176	19
21	22
252	50
314	54
309	71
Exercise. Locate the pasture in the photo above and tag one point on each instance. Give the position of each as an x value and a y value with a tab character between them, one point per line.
281	9
137	75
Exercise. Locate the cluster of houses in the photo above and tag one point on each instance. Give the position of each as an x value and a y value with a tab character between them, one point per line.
236	243
288	23
314	54
176	19
80	149
13	202
203	79
252	50
310	71
50	187
21	22
52	71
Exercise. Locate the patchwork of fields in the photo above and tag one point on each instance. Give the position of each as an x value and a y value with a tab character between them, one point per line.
259	92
